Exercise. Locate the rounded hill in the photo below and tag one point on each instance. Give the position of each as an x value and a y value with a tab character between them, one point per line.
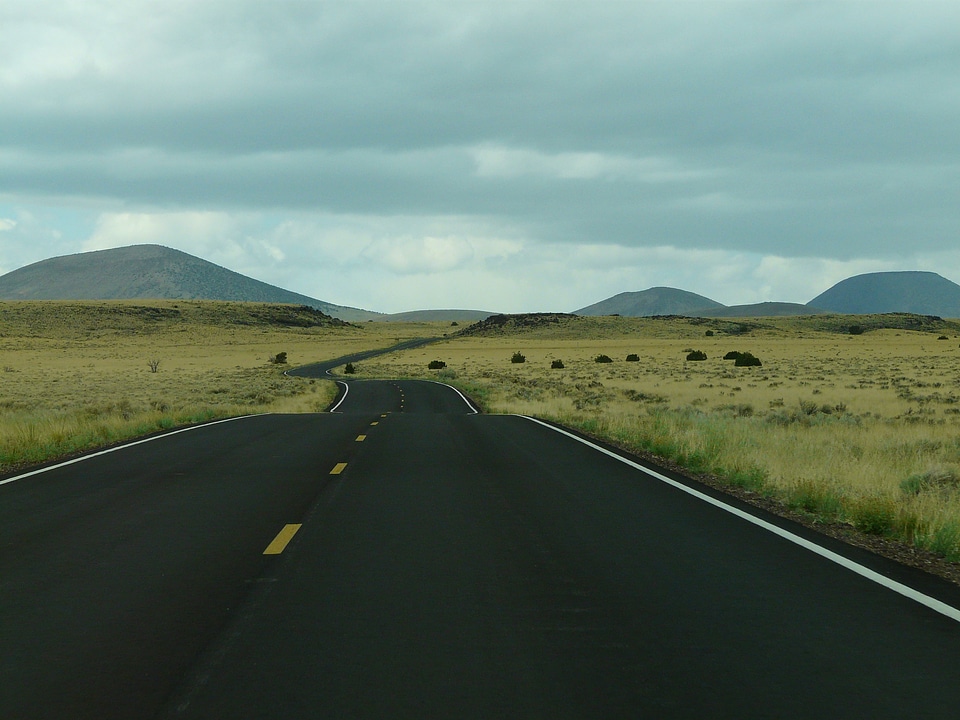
923	293
140	272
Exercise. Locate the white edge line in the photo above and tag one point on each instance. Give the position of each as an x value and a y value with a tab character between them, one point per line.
346	389
463	397
81	458
905	590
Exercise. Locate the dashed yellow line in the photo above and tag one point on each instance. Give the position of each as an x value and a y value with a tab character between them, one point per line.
280	541
375	423
338	468
361	438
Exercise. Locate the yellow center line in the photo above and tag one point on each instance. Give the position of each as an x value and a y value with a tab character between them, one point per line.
338	468
281	540
361	438
374	423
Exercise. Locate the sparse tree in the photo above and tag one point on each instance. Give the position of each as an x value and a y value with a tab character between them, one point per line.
154	365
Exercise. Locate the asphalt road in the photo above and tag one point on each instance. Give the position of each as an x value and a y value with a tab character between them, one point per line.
429	562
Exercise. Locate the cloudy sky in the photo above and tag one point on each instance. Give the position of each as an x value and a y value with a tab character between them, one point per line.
507	156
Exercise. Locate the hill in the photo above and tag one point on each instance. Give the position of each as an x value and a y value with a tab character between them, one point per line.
655	301
140	272
763	309
923	293
670	301
437	316
91	319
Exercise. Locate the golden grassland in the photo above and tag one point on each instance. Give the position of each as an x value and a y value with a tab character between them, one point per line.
854	429
860	430
77	375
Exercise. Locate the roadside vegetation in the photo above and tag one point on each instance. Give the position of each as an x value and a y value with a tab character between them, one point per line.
81	375
848	422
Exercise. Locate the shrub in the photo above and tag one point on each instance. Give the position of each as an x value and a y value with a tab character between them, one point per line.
709	333
816	498
279	358
747	360
856	330
436	365
349	369
556	365
872	515
696	355
935	479
732	355
633	357
518	358
603	359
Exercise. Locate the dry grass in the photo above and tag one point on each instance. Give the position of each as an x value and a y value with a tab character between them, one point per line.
77	375
859	429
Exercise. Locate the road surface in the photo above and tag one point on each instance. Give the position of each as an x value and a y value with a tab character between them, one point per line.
424	561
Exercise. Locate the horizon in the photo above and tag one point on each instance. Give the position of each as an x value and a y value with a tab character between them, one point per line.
492	312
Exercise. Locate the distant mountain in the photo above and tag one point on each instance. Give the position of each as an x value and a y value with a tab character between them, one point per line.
655	301
150	272
764	309
923	293
437	316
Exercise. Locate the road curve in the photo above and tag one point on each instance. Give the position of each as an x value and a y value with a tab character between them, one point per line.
434	562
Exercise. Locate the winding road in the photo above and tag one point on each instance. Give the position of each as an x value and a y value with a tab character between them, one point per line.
406	557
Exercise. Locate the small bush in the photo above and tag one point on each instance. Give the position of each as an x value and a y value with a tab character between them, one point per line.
603	359
872	515
709	333
696	355
436	365
946	541
349	369
518	358
936	479
747	360
279	358
556	365
732	355
856	330
633	357
817	499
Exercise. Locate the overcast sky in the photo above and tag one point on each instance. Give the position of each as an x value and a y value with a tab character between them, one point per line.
504	156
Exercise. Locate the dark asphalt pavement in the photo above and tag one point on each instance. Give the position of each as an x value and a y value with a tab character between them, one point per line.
446	565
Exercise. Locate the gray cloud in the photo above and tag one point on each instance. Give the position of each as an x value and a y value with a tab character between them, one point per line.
788	129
